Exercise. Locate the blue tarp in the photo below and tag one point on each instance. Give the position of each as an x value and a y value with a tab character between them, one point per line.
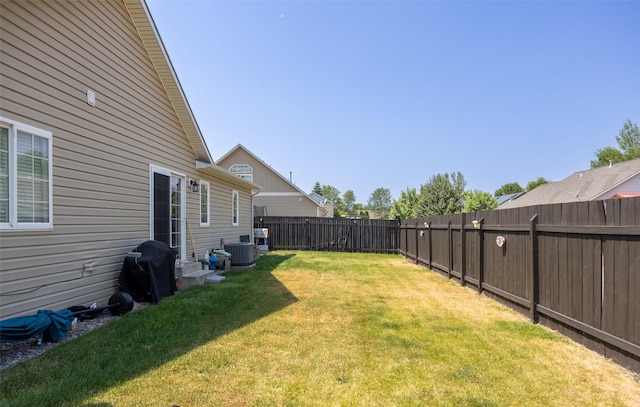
52	325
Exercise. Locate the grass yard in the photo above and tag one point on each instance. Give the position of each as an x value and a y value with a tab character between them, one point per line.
321	329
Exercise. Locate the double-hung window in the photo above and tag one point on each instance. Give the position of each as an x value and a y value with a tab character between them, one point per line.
235	208
204	203
25	177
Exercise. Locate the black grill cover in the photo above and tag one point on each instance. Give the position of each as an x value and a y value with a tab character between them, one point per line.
150	277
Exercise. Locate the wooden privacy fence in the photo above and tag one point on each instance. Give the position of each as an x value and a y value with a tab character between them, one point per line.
331	234
573	267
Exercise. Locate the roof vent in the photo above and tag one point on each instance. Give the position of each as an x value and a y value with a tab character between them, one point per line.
610	163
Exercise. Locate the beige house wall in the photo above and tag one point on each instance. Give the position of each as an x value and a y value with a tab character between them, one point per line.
279	196
50	55
263	175
287	205
221	222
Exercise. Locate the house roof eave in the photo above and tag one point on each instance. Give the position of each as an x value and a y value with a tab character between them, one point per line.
611	188
240	146
150	37
218	172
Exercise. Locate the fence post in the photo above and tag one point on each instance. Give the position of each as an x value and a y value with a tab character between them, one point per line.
429	246
481	255
463	248
406	239
534	268
417	240
308	234
450	239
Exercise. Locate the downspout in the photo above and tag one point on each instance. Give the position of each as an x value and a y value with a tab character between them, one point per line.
254	192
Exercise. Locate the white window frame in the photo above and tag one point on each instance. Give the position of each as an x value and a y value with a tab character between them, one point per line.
244	171
205	185
235	208
13	223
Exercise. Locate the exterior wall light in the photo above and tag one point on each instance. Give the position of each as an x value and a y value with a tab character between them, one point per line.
194	185
476	224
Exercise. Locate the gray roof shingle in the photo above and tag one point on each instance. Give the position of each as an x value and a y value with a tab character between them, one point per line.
584	185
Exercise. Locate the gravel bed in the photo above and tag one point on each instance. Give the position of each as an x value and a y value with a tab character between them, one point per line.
14	352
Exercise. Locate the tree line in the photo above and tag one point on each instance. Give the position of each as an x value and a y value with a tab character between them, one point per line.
446	193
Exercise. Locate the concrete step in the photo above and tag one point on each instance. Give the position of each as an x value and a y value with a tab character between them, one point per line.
187	267
214	279
195	278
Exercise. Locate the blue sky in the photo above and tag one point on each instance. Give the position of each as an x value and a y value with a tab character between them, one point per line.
368	94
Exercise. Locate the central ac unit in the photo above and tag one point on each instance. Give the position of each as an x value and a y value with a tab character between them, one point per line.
241	253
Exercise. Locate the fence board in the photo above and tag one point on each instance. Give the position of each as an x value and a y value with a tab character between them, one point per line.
333	234
587	259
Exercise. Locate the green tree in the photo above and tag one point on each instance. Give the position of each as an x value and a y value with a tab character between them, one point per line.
380	202
406	205
628	147
329	192
510	188
317	188
348	199
607	155
629	140
333	194
443	194
478	200
535	183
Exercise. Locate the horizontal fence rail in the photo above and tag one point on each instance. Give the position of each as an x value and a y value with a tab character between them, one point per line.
330	234
573	267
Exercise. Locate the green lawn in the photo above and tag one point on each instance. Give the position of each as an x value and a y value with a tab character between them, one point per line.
321	329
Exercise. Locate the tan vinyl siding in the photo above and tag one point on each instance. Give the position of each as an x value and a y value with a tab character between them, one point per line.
50	54
208	237
287	205
279	196
263	174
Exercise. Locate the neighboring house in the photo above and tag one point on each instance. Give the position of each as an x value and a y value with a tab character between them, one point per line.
99	152
509	197
326	204
278	196
618	180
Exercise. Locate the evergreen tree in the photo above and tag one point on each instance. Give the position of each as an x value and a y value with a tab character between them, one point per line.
443	194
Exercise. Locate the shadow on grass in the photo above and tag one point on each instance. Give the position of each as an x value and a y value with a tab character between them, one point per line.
143	340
